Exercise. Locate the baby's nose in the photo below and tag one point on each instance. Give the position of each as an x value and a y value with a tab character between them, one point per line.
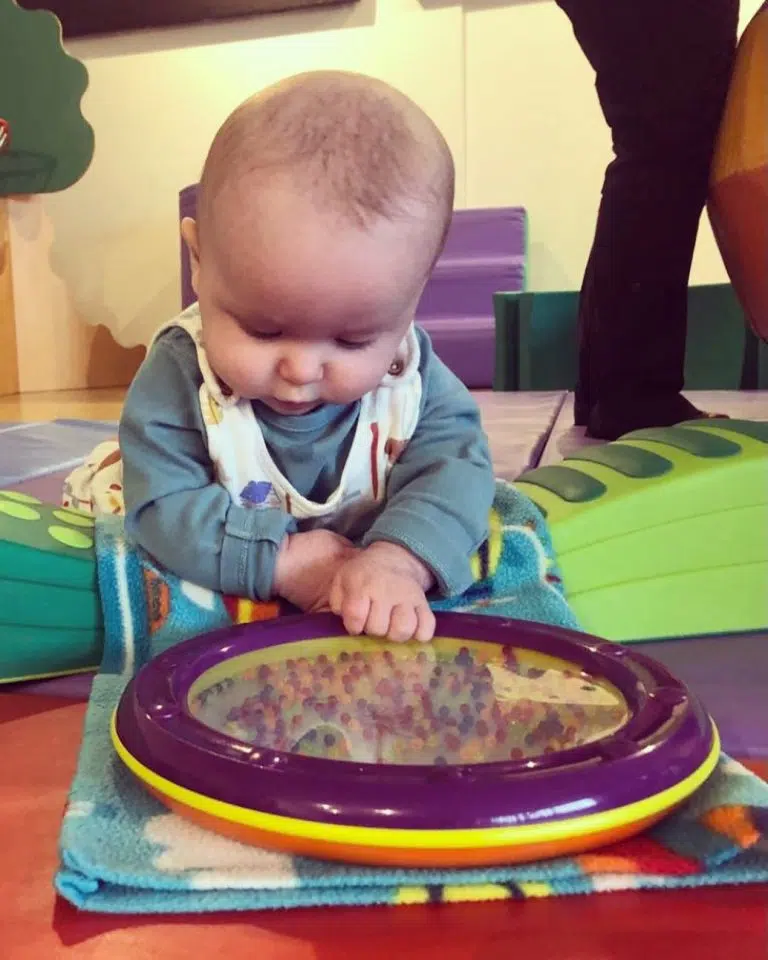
300	366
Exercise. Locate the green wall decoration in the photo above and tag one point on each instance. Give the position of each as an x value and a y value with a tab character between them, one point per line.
46	144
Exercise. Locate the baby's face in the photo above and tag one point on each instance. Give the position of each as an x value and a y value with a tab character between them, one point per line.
300	308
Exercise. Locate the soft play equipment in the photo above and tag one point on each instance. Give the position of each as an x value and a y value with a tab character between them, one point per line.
50	615
663	533
46	145
536	341
660	534
499	742
738	203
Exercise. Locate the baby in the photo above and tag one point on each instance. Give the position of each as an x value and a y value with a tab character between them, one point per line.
293	434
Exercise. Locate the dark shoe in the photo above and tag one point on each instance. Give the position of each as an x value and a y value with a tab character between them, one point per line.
612	425
580	412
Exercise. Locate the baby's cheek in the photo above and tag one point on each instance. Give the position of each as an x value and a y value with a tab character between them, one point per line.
241	363
356	375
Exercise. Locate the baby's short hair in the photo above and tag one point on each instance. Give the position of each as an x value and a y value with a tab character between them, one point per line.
360	148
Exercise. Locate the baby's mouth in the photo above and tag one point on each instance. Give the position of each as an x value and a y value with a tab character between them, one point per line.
291	408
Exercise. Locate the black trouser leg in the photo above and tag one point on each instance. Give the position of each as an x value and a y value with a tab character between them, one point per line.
663	68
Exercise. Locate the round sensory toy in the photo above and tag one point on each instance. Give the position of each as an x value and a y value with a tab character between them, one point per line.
501	741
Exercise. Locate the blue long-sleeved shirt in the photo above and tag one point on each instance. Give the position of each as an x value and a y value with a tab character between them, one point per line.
438	495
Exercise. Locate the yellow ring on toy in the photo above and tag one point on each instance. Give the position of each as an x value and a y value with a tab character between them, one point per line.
419	847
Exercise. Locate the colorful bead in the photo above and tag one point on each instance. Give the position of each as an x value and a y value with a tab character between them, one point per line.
471	705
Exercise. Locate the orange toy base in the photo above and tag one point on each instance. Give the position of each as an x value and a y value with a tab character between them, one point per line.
406	856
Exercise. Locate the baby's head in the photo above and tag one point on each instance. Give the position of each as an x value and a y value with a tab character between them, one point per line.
322	207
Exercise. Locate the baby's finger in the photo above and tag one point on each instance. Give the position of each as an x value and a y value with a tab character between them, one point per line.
403	624
355	613
425	630
377	624
336	596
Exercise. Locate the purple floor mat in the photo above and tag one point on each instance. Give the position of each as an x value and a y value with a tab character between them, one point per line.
47	488
30	450
730	677
518	426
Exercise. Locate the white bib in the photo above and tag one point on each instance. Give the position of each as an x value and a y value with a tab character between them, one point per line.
388	418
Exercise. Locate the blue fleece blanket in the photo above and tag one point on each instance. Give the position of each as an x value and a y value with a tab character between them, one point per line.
122	852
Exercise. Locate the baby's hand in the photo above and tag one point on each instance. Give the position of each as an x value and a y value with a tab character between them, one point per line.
382	592
306	565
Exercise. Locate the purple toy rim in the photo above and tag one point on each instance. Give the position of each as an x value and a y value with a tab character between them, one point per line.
668	737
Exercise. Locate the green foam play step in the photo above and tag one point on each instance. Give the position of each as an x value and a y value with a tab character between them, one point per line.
665	532
32	653
50	614
536	341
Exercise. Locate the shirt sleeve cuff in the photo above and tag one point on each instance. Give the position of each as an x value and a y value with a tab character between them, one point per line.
249	550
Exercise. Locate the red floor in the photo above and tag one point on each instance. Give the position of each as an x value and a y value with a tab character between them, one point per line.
39	739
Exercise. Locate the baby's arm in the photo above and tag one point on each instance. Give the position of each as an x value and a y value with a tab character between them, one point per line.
175	508
439	496
441	488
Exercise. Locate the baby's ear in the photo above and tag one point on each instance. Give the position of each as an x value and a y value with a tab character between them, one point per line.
189	236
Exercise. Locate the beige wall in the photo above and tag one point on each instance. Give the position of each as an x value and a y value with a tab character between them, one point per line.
505	82
535	133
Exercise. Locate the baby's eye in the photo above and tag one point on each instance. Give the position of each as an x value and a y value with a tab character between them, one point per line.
352	344
261	335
